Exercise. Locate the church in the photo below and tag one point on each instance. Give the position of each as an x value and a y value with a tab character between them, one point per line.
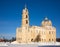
27	34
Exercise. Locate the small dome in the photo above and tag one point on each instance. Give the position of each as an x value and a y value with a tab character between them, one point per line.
46	22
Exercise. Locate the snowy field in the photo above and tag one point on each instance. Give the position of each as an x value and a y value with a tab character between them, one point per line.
7	44
17	45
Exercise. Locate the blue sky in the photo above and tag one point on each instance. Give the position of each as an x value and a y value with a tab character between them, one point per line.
11	14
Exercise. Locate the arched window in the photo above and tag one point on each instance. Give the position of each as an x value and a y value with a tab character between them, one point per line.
26	21
49	39
31	39
26	16
52	39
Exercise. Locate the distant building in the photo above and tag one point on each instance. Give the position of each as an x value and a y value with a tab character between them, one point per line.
1	40
26	33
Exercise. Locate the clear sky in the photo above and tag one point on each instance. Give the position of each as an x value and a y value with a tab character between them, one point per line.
11	14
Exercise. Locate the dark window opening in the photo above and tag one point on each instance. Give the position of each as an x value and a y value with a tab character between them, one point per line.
26	16
52	39
49	39
31	39
26	21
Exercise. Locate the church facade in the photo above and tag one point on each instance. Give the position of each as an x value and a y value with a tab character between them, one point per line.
27	34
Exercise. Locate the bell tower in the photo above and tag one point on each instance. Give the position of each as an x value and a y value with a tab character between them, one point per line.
25	24
25	17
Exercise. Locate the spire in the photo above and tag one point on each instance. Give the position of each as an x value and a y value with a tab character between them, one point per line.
25	6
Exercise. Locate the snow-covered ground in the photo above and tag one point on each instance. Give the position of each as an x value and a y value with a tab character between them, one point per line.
3	44
16	44
39	43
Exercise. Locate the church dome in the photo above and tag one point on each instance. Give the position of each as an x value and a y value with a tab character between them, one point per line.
46	22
